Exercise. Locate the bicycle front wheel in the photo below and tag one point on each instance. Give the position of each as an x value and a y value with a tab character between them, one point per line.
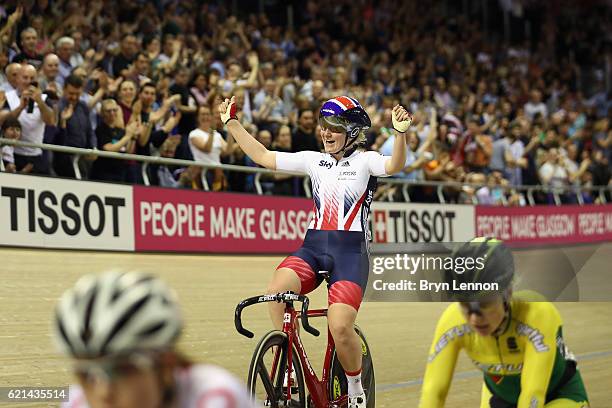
337	378
269	381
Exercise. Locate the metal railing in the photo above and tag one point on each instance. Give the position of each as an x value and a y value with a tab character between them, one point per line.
78	153
528	191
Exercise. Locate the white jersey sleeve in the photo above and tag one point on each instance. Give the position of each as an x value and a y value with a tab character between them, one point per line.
208	386
376	163
297	162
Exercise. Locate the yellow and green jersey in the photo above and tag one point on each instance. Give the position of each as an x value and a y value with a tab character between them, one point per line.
523	366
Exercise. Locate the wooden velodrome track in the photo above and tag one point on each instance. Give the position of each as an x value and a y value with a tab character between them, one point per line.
209	287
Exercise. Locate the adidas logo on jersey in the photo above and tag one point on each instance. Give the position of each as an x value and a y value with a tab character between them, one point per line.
346	164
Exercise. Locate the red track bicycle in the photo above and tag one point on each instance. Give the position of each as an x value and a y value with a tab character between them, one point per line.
281	352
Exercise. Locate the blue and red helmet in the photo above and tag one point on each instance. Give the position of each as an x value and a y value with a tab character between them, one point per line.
345	114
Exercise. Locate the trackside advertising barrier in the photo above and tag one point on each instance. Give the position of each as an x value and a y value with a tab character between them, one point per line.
185	220
58	213
193	221
406	222
546	224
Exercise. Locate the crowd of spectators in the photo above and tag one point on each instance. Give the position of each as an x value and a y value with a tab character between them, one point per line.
141	77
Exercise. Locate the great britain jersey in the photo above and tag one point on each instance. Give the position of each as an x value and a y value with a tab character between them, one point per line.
342	190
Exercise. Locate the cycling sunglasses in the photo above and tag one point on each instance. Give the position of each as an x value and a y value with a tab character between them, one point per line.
333	123
114	368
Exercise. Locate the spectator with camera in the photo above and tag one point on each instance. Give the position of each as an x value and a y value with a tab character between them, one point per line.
27	104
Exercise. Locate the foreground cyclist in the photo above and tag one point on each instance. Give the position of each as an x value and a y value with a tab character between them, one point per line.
517	344
120	330
343	183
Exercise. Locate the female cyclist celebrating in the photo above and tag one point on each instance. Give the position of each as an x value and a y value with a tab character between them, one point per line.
120	329
343	183
517	344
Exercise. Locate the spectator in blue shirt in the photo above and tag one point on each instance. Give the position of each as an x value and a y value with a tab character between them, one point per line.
74	125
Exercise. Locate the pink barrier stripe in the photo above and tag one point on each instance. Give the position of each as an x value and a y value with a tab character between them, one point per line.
545	224
195	221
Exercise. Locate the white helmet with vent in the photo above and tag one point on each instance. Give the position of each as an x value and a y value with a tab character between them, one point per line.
115	313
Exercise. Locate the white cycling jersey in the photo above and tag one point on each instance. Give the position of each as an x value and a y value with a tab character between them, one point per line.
342	190
197	386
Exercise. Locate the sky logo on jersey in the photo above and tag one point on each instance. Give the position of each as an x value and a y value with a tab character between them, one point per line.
324	163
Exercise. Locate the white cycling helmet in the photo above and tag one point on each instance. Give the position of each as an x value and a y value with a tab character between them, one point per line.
115	313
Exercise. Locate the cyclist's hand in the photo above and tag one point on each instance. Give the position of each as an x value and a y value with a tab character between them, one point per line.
227	110
401	119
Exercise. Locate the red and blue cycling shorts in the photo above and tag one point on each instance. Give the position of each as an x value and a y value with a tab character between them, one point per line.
344	254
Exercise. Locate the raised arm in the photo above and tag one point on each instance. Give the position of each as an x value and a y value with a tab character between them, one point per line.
47	114
253	61
433	132
255	150
10	23
401	122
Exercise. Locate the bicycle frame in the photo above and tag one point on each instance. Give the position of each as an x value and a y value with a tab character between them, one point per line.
317	388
